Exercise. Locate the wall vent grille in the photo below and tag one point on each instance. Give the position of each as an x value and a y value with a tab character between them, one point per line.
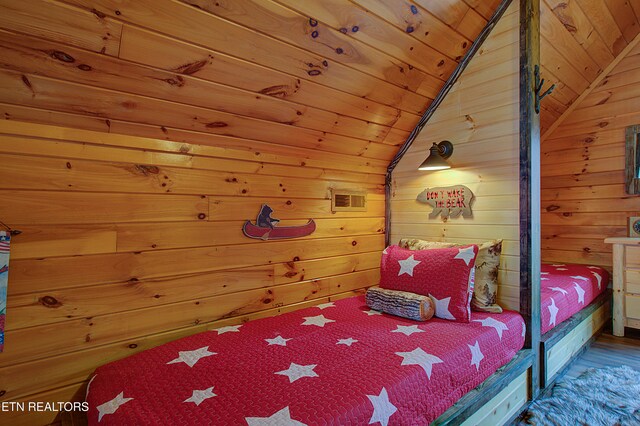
342	201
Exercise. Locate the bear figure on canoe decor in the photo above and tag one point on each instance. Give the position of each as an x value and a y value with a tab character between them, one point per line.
448	201
266	227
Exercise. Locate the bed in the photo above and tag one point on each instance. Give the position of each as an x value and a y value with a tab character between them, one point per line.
575	305
335	363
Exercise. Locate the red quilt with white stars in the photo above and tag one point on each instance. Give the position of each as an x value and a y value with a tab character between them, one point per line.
565	289
338	363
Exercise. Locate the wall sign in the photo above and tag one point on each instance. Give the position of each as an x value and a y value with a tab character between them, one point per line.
448	201
266	227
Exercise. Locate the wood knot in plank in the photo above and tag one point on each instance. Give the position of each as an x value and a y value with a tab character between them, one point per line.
50	302
61	56
177	81
191	68
215	125
280	91
552	208
146	170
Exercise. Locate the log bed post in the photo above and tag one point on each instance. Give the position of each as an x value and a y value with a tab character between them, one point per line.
530	184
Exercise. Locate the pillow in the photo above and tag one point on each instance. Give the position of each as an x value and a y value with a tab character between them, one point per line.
445	275
401	303
485	294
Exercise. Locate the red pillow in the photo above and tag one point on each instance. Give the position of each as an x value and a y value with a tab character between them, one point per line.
445	275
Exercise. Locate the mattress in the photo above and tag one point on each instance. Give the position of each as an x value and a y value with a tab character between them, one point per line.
337	363
565	289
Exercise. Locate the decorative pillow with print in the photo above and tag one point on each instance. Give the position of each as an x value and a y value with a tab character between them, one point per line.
485	293
445	275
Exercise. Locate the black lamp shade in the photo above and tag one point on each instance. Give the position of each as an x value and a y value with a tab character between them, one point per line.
437	157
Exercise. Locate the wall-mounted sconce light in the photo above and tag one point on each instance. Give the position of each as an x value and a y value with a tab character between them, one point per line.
438	156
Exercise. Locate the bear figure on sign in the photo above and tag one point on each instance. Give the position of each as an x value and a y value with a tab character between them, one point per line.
264	219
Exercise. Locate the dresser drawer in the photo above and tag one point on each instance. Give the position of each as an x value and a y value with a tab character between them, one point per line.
632	257
632	306
632	281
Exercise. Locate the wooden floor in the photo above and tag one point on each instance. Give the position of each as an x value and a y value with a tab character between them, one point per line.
607	350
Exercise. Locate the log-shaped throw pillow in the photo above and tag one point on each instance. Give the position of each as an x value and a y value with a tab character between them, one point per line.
445	275
485	293
401	303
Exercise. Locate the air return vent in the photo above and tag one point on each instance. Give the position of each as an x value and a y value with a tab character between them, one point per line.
348	201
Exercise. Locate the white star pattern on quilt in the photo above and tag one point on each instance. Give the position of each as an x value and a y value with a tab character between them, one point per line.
558	265
297	371
112	406
442	308
382	408
553	311
372	312
476	355
407	265
561	269
580	292
278	340
318	320
491	322
524	328
228	329
593	267
349	341
465	254
544	273
279	418
192	357
200	395
578	277
407	330
385	250
326	305
544	279
559	289
598	277
421	358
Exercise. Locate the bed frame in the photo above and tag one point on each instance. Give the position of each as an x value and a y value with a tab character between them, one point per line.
560	345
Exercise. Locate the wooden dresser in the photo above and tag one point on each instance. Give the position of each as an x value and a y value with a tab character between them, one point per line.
626	283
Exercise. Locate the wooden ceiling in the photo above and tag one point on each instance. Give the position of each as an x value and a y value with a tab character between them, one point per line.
348	77
579	39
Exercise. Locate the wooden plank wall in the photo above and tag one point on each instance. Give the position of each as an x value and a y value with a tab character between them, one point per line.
480	117
174	121
130	242
583	196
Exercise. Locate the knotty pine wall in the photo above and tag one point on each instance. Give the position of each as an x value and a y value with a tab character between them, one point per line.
130	242
480	117
583	196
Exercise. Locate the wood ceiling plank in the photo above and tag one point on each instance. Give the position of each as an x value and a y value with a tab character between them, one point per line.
274	21
567	45
187	23
484	7
451	12
604	23
471	25
625	18
577	23
30	55
560	66
68	97
421	25
171	55
61	23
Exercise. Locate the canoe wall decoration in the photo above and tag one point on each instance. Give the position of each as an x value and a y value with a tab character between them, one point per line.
266	227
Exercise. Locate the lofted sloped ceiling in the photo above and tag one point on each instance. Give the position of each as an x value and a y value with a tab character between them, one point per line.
339	76
579	39
343	77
